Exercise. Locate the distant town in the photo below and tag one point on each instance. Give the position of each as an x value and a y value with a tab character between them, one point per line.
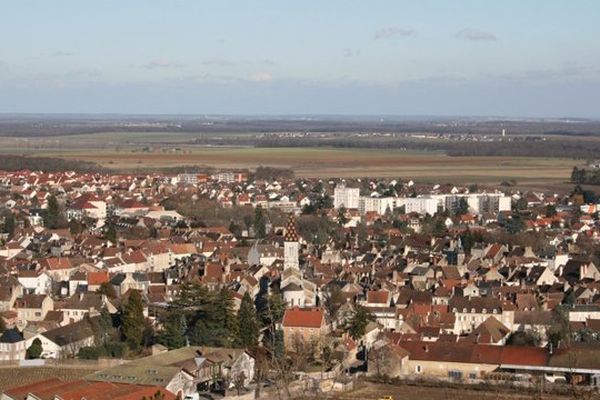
232	285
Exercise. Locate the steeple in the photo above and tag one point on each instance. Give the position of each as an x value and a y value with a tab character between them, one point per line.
291	246
291	235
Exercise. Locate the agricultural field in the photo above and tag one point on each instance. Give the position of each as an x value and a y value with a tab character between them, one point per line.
12	377
326	162
152	150
371	391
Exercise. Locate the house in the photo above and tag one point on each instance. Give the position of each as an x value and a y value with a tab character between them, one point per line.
66	341
471	312
12	345
303	324
34	281
76	307
33	307
181	371
460	360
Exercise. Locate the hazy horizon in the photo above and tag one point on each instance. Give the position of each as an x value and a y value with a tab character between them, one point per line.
536	59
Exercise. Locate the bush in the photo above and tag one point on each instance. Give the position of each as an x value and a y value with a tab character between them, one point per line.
88	353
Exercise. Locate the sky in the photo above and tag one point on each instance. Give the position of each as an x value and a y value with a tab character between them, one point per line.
533	58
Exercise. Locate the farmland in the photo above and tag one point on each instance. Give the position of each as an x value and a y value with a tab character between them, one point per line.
12	377
329	162
238	149
372	391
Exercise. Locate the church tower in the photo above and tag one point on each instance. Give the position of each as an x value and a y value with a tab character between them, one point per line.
291	247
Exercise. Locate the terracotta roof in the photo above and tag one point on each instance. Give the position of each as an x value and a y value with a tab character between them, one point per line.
97	278
304	318
378	297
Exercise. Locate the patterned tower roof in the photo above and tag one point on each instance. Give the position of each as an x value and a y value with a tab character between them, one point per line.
291	235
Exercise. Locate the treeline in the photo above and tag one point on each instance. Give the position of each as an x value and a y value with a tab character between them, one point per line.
272	173
9	162
585	176
523	146
46	125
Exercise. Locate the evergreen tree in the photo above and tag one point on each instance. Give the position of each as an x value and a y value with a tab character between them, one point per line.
359	321
260	229
247	324
9	224
133	320
103	328
52	215
107	289
462	207
110	233
173	335
35	350
223	315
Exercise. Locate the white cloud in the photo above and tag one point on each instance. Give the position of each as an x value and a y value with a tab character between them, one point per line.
261	77
162	63
475	35
62	53
392	31
348	52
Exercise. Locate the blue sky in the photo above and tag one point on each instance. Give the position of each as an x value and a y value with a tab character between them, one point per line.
537	58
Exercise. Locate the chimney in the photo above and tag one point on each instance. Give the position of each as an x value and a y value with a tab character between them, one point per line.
426	348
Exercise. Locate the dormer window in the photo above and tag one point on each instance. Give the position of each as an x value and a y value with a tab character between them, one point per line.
495	311
484	311
472	310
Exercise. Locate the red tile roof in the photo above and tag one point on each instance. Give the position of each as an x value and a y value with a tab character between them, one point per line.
304	318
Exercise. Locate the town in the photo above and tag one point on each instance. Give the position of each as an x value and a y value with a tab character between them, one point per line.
183	285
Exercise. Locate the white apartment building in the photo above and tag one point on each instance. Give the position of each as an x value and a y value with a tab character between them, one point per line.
419	205
380	205
346	197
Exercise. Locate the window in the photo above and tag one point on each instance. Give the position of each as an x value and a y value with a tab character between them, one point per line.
419	369
473	375
455	374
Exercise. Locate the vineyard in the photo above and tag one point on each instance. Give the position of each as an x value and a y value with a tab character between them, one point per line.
12	377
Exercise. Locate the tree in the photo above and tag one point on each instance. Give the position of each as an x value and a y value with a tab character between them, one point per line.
89	353
359	321
247	323
334	299
223	316
110	232
52	214
156	396
463	206
107	289
9	224
260	229
550	210
342	220
526	338
35	350
133	320
103	328
173	335
515	224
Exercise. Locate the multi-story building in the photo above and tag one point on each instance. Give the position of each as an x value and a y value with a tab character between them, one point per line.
346	197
